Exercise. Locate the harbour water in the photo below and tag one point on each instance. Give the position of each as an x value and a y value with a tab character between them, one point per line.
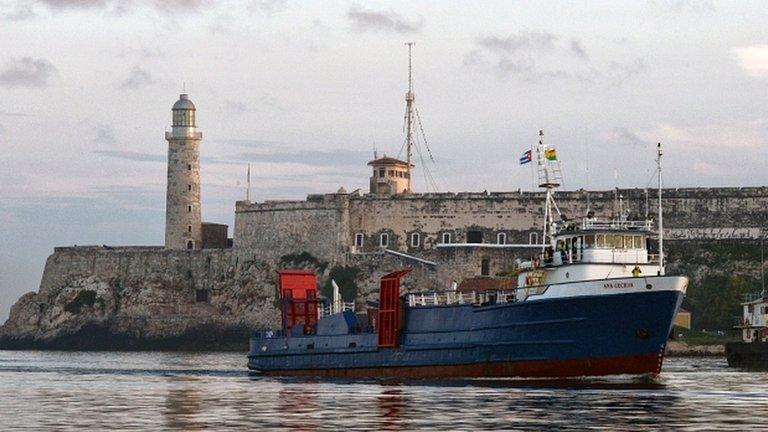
209	391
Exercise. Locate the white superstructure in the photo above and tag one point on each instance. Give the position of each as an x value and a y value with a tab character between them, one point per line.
754	318
591	256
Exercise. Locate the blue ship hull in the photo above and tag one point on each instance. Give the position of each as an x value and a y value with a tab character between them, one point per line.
561	337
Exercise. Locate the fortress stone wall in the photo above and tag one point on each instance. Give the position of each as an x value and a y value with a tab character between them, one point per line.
327	225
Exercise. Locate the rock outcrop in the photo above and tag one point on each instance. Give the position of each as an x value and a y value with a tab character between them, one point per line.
137	298
154	298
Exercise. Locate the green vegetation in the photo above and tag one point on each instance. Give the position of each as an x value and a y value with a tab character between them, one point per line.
345	279
715	301
721	272
302	260
84	298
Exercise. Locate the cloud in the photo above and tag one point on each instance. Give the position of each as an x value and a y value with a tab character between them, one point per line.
137	78
14	114
73	4
741	135
105	134
523	41
622	135
620	72
753	60
696	6
522	55
369	20
132	156
118	7
181	6
247	105
578	49
21	12
267	6
26	72
339	158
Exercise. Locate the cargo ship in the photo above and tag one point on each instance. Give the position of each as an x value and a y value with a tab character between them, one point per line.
752	351
592	302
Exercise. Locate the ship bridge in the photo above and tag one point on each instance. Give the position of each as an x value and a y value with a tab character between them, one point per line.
600	241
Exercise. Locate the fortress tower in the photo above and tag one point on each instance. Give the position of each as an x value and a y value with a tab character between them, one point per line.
183	227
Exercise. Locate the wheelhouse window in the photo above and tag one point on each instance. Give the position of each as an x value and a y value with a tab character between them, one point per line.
446	238
384	240
359	239
415	239
501	238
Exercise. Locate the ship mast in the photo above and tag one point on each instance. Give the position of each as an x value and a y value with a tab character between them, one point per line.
409	98
550	179
661	213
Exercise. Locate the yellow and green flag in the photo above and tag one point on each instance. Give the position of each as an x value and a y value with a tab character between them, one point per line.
550	154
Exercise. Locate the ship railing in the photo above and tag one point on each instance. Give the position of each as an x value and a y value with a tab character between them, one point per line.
594	224
434	298
268	334
330	310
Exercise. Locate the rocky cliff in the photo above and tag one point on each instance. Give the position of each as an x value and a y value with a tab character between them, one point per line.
136	298
154	298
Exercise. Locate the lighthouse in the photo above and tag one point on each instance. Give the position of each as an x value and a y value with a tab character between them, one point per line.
183	227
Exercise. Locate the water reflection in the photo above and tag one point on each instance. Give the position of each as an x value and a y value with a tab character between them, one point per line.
297	406
183	404
172	391
392	408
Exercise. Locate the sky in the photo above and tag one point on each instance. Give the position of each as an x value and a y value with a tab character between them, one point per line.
305	91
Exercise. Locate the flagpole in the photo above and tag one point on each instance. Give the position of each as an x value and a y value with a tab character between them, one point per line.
533	173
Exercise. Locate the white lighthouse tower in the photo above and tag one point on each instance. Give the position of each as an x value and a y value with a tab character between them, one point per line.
183	227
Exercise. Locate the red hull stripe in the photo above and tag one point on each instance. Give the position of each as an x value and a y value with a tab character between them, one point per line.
630	365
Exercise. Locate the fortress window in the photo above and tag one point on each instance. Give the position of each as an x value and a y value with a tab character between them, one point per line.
189	187
415	240
533	238
474	236
391	173
189	167
189	209
501	238
359	239
382	171
384	240
189	228
190	244
485	267
446	238
201	296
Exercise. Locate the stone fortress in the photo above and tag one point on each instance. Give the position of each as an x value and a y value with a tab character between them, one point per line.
202	290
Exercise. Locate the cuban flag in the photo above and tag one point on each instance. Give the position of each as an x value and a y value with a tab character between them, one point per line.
526	157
